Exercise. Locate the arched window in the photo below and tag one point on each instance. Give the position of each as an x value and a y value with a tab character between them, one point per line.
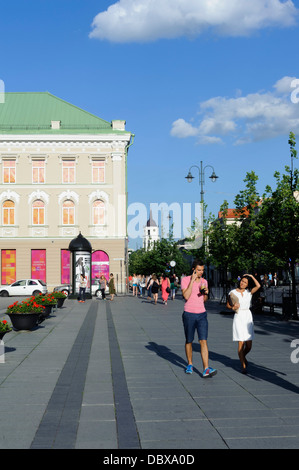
38	212
98	212
8	213
68	213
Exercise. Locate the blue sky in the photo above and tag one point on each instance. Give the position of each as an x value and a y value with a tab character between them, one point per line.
195	80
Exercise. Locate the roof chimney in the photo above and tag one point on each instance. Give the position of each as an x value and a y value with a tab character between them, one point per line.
55	125
118	125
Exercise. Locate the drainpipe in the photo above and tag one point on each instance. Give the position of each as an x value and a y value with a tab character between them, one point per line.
126	162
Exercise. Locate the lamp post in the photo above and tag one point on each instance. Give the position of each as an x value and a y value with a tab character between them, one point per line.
201	173
198	241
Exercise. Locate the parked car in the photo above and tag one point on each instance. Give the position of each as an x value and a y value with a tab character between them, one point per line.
65	289
24	287
95	290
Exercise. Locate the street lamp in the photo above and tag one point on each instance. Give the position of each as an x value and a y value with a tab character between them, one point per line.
201	173
199	235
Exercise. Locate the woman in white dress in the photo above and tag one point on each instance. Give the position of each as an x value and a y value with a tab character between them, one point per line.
240	302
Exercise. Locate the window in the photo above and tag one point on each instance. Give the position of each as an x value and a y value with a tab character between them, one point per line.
8	266
68	171
9	171
8	213
68	213
98	213
19	283
38	171
98	171
38	213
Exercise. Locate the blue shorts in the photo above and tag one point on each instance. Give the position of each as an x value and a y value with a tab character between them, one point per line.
195	321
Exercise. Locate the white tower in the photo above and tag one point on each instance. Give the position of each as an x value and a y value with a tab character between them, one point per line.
150	233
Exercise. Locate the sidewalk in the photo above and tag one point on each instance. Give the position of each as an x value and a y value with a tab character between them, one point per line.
111	375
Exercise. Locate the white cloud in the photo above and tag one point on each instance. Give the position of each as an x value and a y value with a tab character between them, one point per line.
284	85
149	20
255	117
182	129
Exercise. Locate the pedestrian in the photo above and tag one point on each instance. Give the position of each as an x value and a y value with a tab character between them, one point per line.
154	284
173	283
142	285
82	288
103	284
165	288
240	301
149	287
266	281
195	292
135	285
111	286
275	279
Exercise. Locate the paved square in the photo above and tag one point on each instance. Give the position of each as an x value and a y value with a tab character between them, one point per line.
111	375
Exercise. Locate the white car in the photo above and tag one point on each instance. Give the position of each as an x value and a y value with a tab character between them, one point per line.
24	287
67	289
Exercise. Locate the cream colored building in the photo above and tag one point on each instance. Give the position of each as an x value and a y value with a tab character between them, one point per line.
62	171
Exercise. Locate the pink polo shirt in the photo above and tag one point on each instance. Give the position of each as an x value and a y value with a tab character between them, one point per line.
195	303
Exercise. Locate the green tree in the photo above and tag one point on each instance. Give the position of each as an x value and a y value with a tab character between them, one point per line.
157	259
222	243
280	216
250	233
201	253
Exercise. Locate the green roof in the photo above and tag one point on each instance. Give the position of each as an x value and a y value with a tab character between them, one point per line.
32	113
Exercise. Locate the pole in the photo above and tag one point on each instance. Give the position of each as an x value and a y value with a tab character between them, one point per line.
201	177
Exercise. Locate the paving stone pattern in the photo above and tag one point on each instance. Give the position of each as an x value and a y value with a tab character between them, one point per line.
111	375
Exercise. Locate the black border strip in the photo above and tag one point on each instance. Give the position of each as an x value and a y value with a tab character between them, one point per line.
125	421
59	425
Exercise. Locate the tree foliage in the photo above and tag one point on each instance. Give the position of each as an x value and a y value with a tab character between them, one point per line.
157	259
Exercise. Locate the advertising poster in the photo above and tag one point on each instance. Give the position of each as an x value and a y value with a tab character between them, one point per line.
99	266
65	267
8	266
82	266
38	264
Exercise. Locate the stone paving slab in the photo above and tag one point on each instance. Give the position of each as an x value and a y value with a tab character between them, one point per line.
111	375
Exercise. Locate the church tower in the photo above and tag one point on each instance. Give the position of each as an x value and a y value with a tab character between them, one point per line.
150	233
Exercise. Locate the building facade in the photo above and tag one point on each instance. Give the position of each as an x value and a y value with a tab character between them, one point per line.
62	171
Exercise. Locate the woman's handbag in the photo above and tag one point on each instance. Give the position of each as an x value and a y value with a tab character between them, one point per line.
233	299
168	290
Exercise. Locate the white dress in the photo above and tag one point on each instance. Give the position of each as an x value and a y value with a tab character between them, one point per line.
243	322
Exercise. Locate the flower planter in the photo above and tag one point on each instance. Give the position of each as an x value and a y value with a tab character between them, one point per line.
23	321
48	310
60	302
45	313
2	333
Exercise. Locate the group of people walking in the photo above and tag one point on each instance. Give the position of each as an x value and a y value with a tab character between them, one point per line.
152	284
102	286
195	293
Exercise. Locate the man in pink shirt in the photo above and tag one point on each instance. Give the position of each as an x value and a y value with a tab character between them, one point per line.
195	292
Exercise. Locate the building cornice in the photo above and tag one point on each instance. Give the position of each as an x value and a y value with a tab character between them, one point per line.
65	138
